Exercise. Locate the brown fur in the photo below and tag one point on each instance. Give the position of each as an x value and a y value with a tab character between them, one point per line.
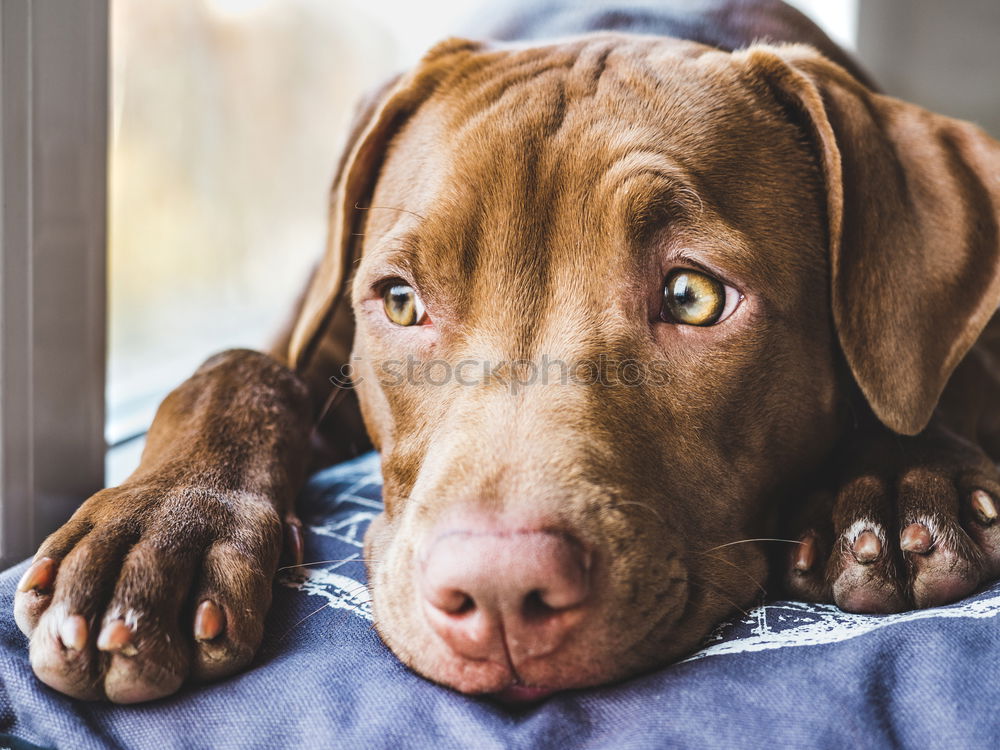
536	196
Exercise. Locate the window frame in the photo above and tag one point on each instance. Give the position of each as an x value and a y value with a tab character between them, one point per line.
53	249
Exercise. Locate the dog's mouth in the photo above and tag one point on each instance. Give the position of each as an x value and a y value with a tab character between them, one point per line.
515	613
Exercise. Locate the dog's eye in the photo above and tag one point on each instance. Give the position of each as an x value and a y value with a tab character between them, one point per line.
696	299
402	305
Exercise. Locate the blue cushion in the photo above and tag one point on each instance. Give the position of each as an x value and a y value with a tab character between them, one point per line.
785	675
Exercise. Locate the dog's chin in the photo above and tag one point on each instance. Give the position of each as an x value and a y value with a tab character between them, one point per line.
532	684
589	662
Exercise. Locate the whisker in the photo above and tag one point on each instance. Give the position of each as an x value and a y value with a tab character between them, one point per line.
644	506
715	590
316	611
324	562
736	567
335	397
748	541
389	208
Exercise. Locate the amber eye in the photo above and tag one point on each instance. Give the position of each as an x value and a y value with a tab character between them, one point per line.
693	298
402	305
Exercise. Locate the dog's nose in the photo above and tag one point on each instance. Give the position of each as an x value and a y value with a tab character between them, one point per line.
494	595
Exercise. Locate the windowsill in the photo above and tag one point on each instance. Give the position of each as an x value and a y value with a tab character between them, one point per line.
121	460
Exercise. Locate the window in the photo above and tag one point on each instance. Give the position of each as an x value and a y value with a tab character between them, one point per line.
227	120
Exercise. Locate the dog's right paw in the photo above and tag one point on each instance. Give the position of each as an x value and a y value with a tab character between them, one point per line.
148	584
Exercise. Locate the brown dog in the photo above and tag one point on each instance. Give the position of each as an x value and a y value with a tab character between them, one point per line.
747	280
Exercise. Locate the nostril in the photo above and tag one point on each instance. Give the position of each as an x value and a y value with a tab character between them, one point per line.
452	601
543	604
534	606
467	604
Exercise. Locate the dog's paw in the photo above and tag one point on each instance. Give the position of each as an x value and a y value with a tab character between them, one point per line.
148	585
913	524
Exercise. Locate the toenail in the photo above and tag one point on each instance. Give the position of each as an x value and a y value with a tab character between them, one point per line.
867	547
293	538
40	575
916	538
73	632
208	621
805	556
985	509
116	636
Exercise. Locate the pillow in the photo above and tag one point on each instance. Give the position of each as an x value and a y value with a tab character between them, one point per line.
786	674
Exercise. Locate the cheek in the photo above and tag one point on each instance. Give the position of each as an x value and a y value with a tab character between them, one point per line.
399	407
741	411
375	408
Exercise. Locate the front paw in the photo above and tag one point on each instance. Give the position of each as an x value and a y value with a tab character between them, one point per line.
913	524
147	585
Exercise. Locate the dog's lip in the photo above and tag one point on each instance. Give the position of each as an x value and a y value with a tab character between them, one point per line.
518	694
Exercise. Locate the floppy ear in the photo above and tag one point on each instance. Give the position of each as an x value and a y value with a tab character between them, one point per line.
379	118
913	205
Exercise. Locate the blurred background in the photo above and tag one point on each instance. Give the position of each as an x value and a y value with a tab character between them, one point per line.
227	117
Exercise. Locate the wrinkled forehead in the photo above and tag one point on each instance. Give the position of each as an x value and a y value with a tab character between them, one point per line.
523	149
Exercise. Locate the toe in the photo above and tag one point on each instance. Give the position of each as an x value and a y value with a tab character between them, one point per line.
34	592
148	654
944	564
60	654
864	573
35	589
806	577
62	649
810	533
234	596
982	524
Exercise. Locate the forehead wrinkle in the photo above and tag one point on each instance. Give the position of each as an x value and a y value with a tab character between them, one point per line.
499	206
490	81
644	186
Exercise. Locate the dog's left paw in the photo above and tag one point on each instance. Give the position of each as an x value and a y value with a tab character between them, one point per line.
914	523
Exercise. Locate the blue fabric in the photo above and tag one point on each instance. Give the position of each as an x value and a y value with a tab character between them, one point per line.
786	675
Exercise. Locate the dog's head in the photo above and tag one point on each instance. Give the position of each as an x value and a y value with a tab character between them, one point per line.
610	296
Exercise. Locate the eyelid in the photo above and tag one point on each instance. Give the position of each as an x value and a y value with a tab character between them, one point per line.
682	262
385	283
